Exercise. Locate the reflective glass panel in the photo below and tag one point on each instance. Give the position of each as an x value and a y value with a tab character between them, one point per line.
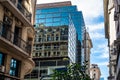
56	19
41	16
48	20
14	66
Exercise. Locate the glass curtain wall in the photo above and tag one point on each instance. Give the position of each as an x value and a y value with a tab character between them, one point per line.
59	16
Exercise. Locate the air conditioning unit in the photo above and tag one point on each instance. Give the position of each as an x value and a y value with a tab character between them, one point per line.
2	68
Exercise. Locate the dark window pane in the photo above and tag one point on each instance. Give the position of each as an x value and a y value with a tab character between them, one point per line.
48	63
59	63
14	67
1	58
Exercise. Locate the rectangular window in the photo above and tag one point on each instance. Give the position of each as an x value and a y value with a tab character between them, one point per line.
56	46
43	72
1	58
48	38
14	67
36	54
34	74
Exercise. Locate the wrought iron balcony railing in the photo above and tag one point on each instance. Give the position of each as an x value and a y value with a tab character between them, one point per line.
13	38
22	9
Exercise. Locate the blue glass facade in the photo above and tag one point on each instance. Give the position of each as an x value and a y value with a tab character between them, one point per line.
58	36
59	16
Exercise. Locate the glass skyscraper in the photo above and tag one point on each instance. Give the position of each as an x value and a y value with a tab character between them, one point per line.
58	16
60	36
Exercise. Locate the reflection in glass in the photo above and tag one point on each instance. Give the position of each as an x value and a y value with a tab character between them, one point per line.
56	19
41	16
56	24
56	15
14	66
49	15
49	20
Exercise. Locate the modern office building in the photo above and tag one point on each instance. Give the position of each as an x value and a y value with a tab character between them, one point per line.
16	38
111	13
87	45
95	72
58	36
57	14
50	50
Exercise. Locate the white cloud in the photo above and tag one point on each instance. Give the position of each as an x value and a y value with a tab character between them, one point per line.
90	8
96	35
104	51
101	49
103	63
95	27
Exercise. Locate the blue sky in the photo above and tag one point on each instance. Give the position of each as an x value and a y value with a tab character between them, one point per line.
94	20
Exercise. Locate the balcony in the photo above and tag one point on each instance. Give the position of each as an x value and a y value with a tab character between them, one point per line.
24	11
10	37
63	47
18	11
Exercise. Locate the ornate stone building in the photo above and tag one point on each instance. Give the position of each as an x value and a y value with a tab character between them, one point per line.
87	45
112	33
16	38
117	41
95	72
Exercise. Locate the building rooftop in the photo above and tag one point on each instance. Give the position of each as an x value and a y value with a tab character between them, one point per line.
51	5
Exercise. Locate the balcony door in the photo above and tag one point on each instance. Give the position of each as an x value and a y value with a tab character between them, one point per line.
17	36
6	28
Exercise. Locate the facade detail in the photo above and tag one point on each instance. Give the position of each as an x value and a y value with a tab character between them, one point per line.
95	72
16	38
50	50
117	42
58	36
111	12
87	45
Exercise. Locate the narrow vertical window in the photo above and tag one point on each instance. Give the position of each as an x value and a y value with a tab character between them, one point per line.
14	67
1	58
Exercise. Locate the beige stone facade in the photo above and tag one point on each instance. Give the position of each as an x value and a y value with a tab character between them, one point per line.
16	38
117	41
87	45
112	14
50	42
49	51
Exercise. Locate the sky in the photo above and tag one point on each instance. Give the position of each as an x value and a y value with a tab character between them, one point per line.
94	20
